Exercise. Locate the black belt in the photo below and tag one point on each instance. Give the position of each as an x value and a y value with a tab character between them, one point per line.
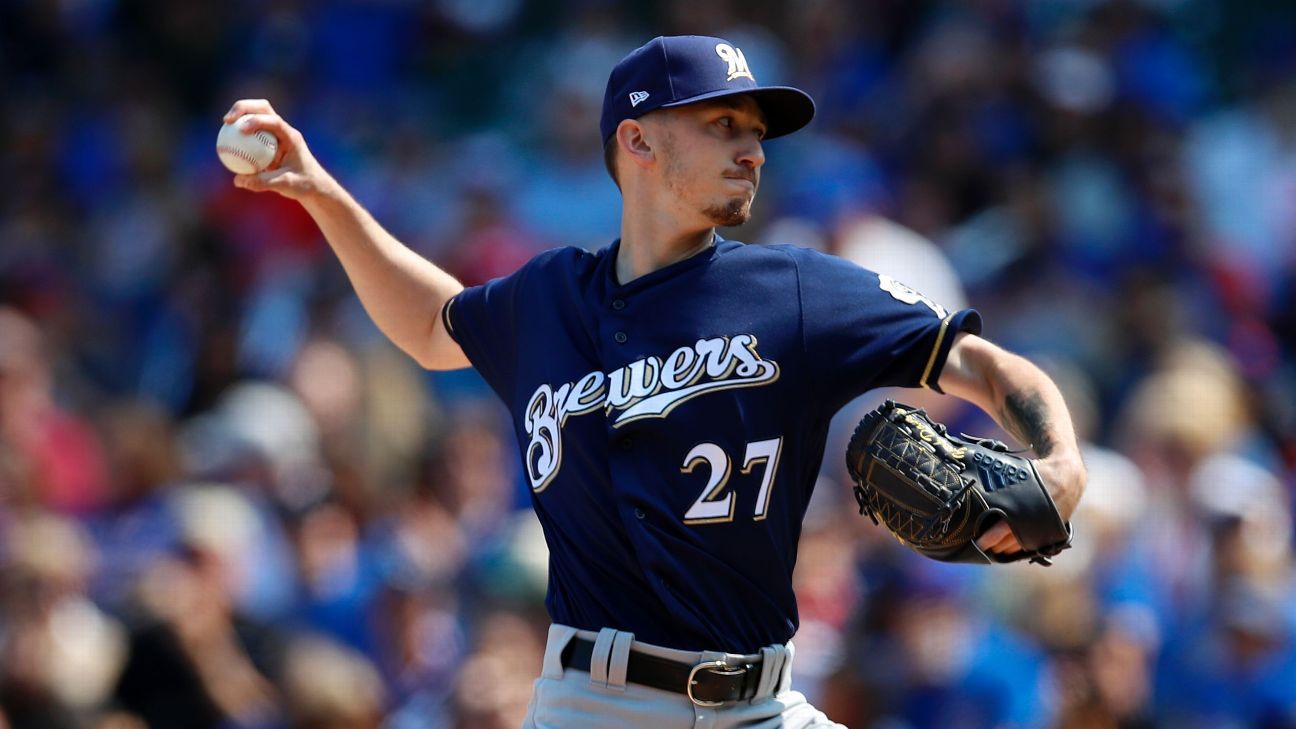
709	683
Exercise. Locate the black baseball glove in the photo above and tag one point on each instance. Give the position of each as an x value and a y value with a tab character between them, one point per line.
937	492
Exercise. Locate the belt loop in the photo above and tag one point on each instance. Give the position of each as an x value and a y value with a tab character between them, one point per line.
771	671
619	660
599	659
559	637
785	678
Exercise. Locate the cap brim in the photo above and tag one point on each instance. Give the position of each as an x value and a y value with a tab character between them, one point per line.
786	109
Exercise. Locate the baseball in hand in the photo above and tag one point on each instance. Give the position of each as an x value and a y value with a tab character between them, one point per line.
244	154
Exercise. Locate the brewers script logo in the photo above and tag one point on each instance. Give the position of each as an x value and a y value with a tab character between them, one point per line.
647	388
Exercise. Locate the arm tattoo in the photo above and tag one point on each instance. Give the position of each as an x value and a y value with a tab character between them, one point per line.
1023	413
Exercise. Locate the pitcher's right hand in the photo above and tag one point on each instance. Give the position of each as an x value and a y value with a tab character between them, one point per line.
294	172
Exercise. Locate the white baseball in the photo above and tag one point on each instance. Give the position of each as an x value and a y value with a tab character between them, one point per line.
244	154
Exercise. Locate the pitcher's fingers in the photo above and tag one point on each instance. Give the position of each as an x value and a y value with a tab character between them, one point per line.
1008	546
996	538
273	123
260	181
283	132
247	106
249	182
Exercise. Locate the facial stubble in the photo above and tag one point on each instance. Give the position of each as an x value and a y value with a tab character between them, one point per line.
732	212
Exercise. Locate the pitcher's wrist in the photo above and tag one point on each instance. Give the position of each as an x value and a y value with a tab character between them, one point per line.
1064	475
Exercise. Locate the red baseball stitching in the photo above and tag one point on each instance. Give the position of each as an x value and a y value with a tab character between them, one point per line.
243	154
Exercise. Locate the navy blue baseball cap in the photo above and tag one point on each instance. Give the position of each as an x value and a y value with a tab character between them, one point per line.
676	70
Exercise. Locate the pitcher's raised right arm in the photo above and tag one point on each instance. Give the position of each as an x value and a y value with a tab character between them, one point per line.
402	291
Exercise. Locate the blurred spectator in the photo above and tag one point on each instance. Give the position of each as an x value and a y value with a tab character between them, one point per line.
918	658
61	654
329	687
339	576
53	456
138	525
195	659
493	687
1107	682
1235	666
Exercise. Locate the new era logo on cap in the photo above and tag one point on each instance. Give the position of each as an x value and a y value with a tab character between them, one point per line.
684	69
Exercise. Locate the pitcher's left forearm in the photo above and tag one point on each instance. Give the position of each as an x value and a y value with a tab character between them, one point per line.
1024	402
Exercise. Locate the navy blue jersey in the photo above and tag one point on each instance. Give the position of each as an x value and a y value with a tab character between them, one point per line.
672	428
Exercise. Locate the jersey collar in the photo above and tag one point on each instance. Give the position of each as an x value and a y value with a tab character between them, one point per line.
718	247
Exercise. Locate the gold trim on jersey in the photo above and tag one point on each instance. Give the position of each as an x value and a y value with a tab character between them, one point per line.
931	361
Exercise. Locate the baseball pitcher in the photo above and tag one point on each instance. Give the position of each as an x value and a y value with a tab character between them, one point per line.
671	395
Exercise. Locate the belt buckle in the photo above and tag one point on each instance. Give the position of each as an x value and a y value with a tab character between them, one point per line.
714	667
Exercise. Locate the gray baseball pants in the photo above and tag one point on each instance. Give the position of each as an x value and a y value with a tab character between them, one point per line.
602	698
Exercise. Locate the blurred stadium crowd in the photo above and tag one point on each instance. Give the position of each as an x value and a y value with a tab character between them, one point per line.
226	501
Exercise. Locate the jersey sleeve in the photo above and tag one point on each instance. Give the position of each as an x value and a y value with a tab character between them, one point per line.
864	329
484	321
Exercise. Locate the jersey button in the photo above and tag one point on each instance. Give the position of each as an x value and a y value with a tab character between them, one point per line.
620	337
639	513
618	304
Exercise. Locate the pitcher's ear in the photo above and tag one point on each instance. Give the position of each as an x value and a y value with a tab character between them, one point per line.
635	142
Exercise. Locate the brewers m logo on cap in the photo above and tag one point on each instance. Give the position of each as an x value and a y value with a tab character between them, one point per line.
736	60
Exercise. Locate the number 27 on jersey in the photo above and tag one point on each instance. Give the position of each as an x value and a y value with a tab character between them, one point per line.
717	504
